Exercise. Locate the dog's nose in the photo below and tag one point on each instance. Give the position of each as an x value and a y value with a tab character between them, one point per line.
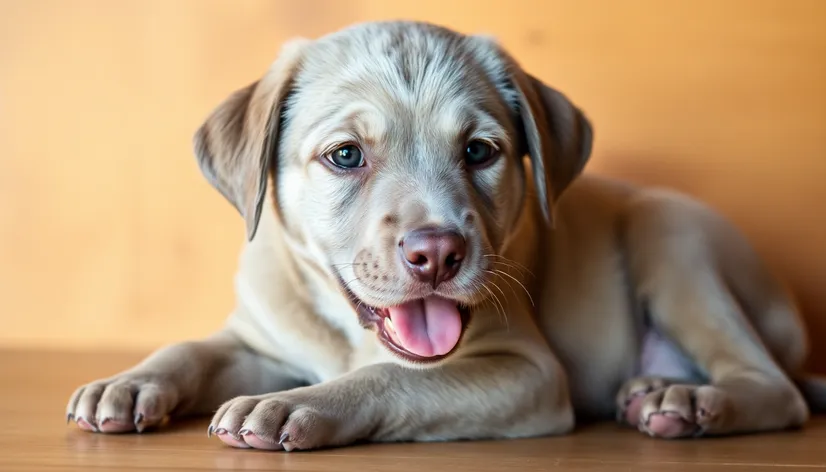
433	255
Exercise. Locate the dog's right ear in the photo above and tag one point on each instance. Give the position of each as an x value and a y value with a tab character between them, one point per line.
238	140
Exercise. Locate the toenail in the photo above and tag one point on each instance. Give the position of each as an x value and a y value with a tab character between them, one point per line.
284	437
81	421
209	431
69	418
244	432
138	418
220	431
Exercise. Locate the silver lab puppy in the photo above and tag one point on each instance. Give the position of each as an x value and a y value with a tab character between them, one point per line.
426	262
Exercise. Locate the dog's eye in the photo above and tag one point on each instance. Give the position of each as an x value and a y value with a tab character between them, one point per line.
348	157
478	152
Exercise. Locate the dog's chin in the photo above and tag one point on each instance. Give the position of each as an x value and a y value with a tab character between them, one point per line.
421	331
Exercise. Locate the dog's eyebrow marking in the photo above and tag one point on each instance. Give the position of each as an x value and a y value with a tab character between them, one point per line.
369	125
474	123
359	122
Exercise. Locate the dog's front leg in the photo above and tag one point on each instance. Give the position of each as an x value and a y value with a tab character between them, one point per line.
182	379
492	396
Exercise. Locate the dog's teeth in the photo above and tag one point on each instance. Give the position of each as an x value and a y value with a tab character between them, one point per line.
391	330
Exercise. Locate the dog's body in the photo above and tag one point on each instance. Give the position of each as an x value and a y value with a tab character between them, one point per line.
392	292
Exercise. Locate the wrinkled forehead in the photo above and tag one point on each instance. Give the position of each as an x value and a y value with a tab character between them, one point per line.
386	82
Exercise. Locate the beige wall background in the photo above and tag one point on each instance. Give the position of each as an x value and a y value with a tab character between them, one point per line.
110	238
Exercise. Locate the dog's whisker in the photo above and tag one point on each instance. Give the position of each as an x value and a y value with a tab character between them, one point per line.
498	300
344	264
510	268
519	271
507	282
497	271
511	262
504	296
501	314
476	287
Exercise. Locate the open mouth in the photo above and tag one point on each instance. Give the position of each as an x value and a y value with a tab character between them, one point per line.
421	330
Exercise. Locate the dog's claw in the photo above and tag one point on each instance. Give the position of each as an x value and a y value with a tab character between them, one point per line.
244	432
80	419
209	431
69	418
139	426
284	437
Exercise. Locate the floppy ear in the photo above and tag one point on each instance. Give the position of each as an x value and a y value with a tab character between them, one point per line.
558	137
235	145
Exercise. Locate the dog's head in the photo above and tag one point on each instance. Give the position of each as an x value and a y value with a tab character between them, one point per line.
396	150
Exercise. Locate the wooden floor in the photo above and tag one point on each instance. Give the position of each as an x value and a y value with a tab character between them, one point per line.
34	387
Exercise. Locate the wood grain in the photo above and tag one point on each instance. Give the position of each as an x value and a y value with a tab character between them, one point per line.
111	238
35	386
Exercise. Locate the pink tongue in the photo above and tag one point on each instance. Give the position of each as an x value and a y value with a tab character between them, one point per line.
428	327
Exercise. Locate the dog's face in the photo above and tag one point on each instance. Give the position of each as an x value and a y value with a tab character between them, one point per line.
396	151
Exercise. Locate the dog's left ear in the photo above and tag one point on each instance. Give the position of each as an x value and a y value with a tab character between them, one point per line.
239	139
557	135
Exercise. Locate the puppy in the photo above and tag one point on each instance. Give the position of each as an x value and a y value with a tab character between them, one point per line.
426	262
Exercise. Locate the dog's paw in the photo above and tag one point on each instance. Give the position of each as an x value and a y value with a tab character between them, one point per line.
679	411
630	397
121	404
278	421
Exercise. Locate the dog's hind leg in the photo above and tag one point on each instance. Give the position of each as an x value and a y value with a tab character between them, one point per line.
689	268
